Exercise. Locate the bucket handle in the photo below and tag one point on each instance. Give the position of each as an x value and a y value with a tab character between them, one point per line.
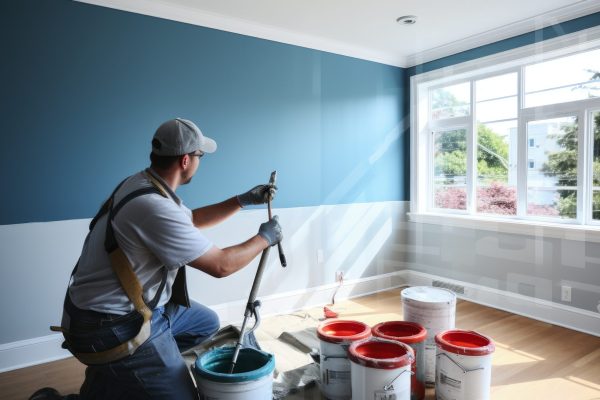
464	370
390	386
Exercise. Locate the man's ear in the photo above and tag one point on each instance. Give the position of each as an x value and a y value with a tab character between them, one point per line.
184	161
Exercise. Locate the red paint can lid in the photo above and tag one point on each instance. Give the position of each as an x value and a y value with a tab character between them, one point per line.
468	343
381	353
340	331
404	331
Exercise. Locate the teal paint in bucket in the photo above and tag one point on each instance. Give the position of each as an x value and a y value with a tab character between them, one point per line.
252	378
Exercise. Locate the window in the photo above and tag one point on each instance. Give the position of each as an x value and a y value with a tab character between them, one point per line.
517	141
596	166
563	79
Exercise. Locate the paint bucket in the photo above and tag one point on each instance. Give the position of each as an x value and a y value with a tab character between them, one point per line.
335	338
414	335
434	309
251	379
381	369
464	365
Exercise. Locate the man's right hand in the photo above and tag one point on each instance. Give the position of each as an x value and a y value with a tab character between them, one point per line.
271	231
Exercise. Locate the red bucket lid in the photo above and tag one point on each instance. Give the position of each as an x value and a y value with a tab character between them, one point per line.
381	353
339	331
404	331
469	343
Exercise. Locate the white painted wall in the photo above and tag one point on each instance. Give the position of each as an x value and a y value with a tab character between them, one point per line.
37	259
373	243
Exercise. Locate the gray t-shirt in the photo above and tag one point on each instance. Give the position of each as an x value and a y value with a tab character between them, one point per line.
153	231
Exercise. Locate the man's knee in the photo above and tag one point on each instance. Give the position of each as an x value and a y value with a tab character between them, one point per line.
214	323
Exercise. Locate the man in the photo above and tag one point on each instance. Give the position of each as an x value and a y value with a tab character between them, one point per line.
158	237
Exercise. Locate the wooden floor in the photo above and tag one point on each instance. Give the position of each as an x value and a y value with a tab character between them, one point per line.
533	360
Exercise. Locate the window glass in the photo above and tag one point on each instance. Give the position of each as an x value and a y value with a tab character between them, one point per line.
451	101
450	169
497	168
495	110
496	87
564	79
552	182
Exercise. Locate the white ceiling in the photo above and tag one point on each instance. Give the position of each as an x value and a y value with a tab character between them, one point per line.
368	29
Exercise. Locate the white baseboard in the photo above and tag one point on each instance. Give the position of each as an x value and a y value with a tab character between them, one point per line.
233	312
25	353
44	349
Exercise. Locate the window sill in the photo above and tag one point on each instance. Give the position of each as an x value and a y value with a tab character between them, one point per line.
519	227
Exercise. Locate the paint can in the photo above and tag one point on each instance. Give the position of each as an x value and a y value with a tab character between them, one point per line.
464	365
414	335
434	309
251	379
335	338
381	369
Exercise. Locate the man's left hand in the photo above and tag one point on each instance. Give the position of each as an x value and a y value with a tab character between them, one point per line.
257	195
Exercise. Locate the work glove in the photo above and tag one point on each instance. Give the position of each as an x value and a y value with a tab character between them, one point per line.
257	195
271	231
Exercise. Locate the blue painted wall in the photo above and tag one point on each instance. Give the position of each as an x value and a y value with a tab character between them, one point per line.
84	88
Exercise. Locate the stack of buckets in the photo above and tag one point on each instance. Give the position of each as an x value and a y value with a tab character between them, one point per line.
355	365
397	359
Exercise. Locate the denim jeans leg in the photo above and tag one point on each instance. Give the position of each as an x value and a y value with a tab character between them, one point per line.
155	371
191	326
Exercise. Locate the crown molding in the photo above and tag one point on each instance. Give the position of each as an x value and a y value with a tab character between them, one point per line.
557	16
167	10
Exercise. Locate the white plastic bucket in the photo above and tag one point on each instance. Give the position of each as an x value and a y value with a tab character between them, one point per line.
414	335
251	379
464	365
381	369
434	309
335	338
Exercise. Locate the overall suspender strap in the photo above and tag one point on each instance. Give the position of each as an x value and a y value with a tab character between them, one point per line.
179	293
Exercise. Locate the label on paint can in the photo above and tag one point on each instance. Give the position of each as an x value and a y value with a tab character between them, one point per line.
332	377
450	384
385	395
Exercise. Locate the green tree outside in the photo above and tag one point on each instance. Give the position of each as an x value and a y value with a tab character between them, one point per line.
563	164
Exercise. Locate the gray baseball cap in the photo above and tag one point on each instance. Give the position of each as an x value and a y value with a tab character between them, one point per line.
179	136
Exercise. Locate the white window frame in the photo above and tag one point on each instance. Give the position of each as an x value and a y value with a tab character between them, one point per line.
498	64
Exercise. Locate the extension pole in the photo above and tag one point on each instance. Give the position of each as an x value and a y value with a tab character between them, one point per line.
250	309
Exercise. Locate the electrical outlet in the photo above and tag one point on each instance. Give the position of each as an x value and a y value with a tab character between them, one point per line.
339	276
565	293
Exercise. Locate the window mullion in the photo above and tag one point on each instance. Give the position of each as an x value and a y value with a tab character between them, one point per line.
471	156
585	168
521	150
